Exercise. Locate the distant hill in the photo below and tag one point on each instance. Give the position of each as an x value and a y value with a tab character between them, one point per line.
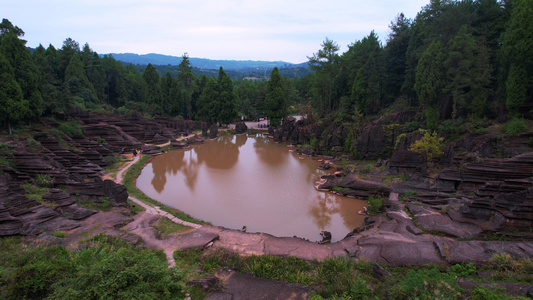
201	63
236	69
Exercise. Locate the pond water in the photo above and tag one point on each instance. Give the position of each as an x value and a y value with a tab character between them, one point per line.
250	181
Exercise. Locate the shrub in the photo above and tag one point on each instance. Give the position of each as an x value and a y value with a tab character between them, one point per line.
429	146
480	292
44	180
29	274
407	194
101	141
126	273
375	205
409	127
426	284
69	128
515	126
463	270
6	155
109	160
34	145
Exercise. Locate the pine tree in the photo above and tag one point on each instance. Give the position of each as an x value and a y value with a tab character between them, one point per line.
25	72
13	107
226	98
430	82
275	100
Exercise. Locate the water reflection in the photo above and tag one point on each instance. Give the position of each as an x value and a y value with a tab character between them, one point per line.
263	149
240	180
222	155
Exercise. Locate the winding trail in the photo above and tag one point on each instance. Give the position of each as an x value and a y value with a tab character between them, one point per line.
152	209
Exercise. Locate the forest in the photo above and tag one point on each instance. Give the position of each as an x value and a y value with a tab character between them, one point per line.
456	62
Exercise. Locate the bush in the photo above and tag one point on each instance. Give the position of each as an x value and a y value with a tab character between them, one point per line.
429	146
103	272
375	205
480	292
108	268
43	180
30	273
409	127
34	145
426	284
101	141
6	155
69	128
338	276
515	126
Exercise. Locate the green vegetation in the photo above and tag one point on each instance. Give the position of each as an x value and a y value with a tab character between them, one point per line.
6	155
342	278
165	227
429	146
375	205
36	193
70	128
460	65
515	126
105	268
275	99
44	180
102	204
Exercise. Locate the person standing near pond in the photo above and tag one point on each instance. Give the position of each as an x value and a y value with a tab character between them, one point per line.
134	152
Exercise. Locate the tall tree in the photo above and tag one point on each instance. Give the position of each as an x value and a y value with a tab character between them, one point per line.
325	62
395	56
468	73
208	102
153	90
226	98
185	79
76	69
13	107
7	27
69	49
430	82
517	52
275	100
25	72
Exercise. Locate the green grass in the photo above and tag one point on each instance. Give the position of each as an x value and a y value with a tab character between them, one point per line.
36	193
103	205
106	268
343	278
165	226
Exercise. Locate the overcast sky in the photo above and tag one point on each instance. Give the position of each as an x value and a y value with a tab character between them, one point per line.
215	29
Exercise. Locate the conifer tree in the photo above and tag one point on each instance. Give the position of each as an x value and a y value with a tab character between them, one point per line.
13	107
275	100
430	82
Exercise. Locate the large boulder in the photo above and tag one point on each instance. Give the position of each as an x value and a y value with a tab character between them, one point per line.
240	128
213	131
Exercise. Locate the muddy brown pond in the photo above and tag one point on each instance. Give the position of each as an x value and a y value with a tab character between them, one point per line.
250	181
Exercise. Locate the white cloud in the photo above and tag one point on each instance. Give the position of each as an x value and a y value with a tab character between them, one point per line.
216	29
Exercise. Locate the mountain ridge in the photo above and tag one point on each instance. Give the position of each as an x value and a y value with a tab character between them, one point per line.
202	63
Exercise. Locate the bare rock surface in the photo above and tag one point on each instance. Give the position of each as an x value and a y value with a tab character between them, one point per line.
245	287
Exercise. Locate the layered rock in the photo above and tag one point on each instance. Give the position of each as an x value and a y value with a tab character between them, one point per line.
99	189
352	185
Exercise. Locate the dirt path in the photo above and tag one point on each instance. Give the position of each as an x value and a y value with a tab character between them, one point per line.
141	225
